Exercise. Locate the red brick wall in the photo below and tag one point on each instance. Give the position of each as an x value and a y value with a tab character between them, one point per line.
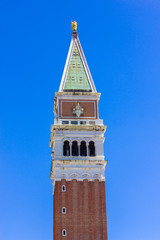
66	108
85	203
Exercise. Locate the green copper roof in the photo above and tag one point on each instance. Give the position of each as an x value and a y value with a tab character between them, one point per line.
76	77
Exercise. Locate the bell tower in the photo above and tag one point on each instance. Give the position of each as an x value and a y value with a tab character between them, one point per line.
78	164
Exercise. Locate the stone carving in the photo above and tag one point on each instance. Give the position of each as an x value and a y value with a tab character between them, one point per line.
63	175
78	110
85	175
96	176
74	175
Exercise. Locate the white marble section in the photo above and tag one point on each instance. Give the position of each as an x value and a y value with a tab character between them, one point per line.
79	170
87	136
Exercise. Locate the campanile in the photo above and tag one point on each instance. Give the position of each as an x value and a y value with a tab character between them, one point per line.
78	164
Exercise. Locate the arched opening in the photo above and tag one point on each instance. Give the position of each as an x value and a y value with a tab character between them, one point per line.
91	149
74	148
63	188
66	148
63	210
83	149
64	232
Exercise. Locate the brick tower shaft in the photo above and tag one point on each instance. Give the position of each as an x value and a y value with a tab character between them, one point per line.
85	216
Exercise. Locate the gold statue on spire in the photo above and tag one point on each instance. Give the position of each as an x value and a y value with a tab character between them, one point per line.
74	25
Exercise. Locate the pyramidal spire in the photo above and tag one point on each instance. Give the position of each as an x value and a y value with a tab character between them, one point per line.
76	75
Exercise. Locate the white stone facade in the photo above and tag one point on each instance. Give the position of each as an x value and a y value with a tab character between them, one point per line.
77	167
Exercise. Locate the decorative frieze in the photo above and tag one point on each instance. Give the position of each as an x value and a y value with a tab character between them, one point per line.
78	170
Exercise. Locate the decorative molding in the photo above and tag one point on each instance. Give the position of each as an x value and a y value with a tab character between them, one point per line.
74	176
86	176
96	176
64	175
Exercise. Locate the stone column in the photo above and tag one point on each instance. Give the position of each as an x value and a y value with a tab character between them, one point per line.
70	146
87	144
79	148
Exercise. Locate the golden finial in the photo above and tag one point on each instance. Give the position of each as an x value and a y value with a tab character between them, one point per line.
74	25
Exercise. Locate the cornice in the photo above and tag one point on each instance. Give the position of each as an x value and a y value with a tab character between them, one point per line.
78	128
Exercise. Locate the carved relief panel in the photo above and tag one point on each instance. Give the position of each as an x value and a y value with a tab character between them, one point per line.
77	109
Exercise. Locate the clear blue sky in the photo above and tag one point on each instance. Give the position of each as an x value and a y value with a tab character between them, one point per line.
121	41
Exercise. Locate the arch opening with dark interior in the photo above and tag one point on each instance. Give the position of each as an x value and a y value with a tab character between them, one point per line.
74	148
66	148
91	147
83	149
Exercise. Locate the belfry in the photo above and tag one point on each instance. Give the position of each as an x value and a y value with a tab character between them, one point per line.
78	164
